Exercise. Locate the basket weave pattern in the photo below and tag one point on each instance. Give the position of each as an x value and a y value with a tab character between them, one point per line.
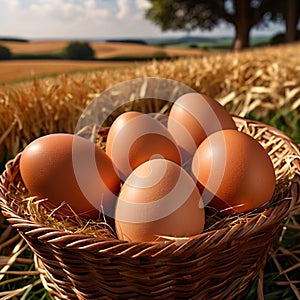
220	263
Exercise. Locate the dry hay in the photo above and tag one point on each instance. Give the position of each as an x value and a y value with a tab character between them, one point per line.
262	80
286	164
285	159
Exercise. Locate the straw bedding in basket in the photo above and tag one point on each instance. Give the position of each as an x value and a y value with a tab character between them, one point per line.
86	261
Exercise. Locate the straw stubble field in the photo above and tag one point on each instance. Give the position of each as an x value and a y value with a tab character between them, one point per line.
20	70
263	84
102	49
16	70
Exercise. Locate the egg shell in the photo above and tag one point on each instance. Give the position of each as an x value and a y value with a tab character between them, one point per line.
159	198
193	117
162	118
68	168
234	172
134	138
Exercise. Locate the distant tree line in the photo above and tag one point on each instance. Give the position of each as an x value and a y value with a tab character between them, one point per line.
128	41
77	50
10	39
74	50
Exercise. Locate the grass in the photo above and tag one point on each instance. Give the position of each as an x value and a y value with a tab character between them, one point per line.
281	273
18	277
221	44
284	119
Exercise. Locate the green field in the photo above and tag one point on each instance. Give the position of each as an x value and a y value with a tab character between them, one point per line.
220	44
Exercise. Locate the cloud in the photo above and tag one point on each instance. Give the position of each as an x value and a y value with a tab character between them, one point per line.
142	4
55	18
12	4
124	9
86	19
62	11
69	11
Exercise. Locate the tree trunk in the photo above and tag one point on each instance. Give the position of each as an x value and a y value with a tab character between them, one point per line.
291	21
242	25
241	40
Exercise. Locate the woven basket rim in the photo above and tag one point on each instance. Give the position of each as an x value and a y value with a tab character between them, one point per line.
271	128
71	240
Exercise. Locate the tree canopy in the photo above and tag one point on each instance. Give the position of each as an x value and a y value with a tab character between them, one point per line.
287	12
79	50
5	53
189	15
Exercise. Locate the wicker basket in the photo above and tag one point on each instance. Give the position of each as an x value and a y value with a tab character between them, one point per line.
220	263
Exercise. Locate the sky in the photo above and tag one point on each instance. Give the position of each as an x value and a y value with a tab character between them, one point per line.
89	19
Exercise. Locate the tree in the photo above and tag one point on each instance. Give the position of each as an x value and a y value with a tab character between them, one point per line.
5	53
191	14
287	12
79	50
291	20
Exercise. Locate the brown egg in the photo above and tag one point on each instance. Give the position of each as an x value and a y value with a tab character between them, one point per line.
162	118
134	138
159	198
234	172
195	116
68	168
